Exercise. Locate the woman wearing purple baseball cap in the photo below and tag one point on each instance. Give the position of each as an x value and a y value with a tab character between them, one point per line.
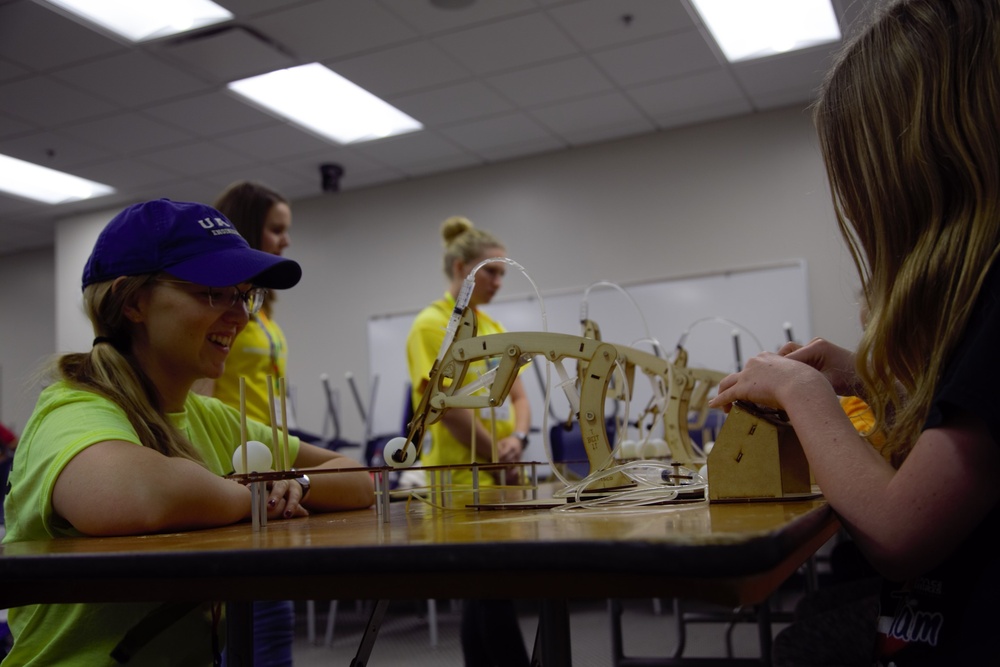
119	445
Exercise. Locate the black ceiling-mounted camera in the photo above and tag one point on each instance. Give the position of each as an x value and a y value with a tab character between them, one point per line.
330	174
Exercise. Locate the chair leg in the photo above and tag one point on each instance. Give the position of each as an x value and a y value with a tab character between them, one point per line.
331	617
681	628
432	621
311	621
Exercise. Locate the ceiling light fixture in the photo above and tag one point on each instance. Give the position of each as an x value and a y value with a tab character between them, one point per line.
31	181
749	30
145	20
318	99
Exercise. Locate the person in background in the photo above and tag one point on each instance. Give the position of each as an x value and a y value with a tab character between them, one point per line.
907	122
451	437
490	631
264	218
118	444
8	443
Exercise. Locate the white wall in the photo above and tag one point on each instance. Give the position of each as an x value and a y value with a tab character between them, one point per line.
27	330
731	194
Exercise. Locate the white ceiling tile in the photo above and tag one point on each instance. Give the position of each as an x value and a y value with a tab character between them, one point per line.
131	79
401	69
602	115
198	158
210	114
684	94
42	39
451	104
54	149
324	30
409	149
43	101
125	134
697	115
620	129
246	8
228	54
352	162
552	82
274	142
428	18
660	58
11	127
596	24
498	131
522	149
9	70
507	44
155	118
126	173
792	76
446	163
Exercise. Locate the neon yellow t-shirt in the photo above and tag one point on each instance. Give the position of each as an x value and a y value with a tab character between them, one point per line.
422	346
260	350
65	422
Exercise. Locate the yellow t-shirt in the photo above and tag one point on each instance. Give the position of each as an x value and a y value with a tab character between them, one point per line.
422	347
260	350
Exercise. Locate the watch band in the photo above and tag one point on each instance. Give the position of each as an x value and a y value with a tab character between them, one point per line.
303	480
523	437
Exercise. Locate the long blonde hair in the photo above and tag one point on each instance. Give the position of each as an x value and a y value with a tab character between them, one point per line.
908	128
109	369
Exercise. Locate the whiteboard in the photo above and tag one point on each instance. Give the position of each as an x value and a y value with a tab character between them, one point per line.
745	308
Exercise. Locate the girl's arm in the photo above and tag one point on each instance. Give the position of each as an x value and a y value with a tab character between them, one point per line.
907	520
120	488
332	492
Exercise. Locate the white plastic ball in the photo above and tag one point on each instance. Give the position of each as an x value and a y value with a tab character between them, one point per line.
398	453
654	448
258	458
627	451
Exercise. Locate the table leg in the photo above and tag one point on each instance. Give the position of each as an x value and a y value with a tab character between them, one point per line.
552	643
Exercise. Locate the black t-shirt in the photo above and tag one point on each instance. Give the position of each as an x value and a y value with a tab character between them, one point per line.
947	616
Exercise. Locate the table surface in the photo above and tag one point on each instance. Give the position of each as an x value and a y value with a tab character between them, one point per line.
731	553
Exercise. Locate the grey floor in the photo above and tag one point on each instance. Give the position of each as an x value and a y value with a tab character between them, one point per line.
649	629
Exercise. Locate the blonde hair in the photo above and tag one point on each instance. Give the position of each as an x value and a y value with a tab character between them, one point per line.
110	370
907	121
464	241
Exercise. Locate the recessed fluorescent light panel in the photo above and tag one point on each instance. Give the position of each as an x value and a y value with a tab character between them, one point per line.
324	102
32	181
748	30
141	20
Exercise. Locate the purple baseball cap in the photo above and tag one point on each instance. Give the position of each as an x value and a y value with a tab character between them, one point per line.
191	241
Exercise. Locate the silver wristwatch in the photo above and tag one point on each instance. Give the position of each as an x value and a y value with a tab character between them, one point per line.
303	480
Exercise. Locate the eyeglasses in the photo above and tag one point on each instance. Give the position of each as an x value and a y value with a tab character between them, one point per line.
224	298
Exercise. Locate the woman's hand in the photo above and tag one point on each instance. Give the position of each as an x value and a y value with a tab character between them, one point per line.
283	500
834	362
770	380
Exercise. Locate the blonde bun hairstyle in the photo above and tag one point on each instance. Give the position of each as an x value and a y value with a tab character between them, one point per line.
462	240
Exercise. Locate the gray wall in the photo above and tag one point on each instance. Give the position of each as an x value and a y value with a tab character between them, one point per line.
731	194
27	329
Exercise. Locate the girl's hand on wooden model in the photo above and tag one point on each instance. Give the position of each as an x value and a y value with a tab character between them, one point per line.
835	363
771	380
